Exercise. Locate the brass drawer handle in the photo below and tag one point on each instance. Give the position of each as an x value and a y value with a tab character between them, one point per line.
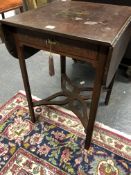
50	42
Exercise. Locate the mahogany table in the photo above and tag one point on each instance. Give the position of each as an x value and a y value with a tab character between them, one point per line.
95	33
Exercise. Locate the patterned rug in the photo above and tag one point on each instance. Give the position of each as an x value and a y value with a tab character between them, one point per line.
54	145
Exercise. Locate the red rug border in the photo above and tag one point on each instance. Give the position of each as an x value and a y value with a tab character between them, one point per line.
38	160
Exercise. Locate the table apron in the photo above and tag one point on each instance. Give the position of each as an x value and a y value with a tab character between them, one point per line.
88	53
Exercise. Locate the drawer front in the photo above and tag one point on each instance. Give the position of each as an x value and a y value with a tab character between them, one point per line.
75	51
68	47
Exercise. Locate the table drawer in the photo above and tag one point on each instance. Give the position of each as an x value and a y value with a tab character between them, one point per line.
67	47
75	51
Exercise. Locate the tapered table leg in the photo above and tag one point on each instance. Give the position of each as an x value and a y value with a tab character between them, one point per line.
21	9
95	96
62	66
20	51
3	15
109	91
